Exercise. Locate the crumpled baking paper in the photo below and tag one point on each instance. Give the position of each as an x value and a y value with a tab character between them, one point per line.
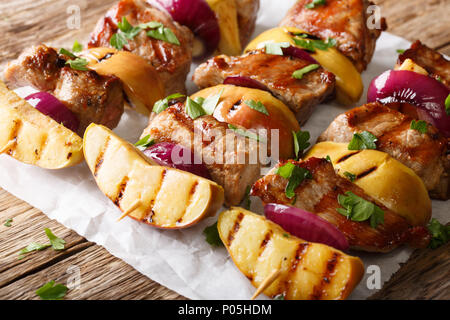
180	260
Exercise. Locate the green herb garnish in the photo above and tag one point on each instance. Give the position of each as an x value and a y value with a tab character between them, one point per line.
279	297
301	142
52	291
447	105
67	53
363	140
247	202
246	133
328	158
164	34
212	235
312	45
258	106
78	64
77	47
359	209
419	125
400	51
57	243
210	104
8	222
276	48
34	246
300	73
163	104
194	109
350	176
439	232
144	143
295	174
315	3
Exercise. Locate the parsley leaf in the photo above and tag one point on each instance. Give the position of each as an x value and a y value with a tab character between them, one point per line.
57	243
276	48
350	176
301	72
209	104
8	222
279	297
163	104
312	45
34	246
400	51
52	291
447	105
77	47
315	3
246	133
194	109
212	235
78	64
295	174
258	106
440	233
328	158
363	140
247	202
67	53
118	41
144	143
150	25
164	34
359	209
301	142
419	125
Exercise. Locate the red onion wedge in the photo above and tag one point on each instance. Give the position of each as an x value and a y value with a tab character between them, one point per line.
55	109
197	16
298	53
422	91
306	225
247	82
175	156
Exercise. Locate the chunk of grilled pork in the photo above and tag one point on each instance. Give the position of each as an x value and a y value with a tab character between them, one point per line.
319	195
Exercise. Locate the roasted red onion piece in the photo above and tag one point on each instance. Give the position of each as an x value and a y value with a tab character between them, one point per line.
298	53
245	82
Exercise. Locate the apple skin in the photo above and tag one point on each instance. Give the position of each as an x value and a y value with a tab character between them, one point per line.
232	109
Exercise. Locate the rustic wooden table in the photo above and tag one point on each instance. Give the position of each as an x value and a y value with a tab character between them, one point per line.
25	22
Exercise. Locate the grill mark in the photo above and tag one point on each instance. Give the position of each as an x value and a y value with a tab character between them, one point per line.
299	254
326	277
38	152
191	193
121	192
265	241
235	229
14	135
347	156
100	158
151	214
365	173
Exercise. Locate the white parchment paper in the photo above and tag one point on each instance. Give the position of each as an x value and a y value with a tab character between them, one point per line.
180	260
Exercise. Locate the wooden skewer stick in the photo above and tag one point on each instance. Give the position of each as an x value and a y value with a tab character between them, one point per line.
133	207
7	146
267	282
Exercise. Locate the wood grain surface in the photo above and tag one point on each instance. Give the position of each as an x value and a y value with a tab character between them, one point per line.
25	22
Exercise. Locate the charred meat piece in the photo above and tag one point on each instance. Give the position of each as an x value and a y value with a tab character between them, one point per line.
343	20
228	157
91	97
172	61
319	195
274	72
432	61
247	11
425	153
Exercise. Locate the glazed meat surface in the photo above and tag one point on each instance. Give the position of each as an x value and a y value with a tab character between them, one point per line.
429	59
426	154
172	62
343	20
319	195
206	137
91	97
275	72
247	11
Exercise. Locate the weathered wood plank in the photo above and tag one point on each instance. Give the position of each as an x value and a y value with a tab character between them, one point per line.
101	277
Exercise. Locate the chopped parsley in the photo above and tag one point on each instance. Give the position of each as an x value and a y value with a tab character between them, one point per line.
400	51
301	142
276	48
419	125
279	297
258	106
144	143
312	45
328	158
194	109
77	47
350	176
358	209
52	291
247	202
67	53
315	3
212	236
8	222
34	246
209	104
447	105
301	72
57	243
439	232
78	64
163	104
246	133
363	140
295	175
164	34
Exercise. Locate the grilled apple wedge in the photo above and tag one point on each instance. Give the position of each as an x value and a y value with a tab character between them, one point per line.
307	270
162	197
381	177
33	138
